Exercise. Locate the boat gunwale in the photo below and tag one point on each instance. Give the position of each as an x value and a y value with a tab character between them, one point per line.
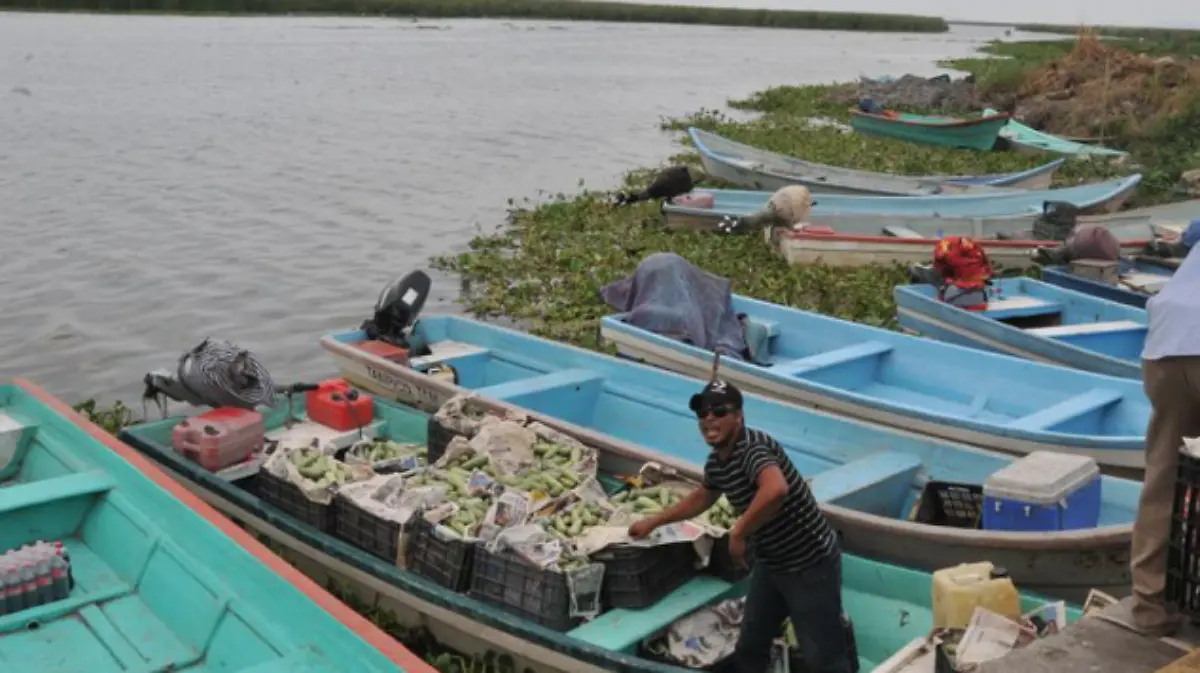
354	623
1059	540
897	240
955	123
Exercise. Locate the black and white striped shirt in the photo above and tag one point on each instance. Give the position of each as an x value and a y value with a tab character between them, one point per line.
798	536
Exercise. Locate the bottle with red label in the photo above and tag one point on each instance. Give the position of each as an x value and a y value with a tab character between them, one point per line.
337	405
219	438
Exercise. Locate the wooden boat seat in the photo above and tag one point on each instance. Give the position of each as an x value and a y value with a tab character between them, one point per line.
1087	328
759	334
1020	307
828	359
621	630
554	383
900	232
445	351
872	479
1069	409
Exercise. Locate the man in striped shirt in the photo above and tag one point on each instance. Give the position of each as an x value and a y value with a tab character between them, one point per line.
797	562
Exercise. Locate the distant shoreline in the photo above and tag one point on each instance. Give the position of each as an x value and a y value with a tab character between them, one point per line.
1108	31
562	10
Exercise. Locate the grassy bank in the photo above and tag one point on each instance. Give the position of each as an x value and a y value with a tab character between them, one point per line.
564	10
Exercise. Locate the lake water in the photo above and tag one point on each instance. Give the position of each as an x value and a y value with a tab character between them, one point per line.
164	179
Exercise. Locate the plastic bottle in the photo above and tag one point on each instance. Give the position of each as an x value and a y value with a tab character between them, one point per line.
5	569
58	576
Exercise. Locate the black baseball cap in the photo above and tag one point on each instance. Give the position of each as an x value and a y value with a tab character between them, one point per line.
714	394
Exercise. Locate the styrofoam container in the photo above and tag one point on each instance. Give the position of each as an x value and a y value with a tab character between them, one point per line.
1043	491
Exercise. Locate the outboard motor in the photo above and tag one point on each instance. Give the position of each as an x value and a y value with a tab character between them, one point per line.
397	309
669	183
215	374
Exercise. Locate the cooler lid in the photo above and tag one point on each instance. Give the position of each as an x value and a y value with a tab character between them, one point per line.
1042	477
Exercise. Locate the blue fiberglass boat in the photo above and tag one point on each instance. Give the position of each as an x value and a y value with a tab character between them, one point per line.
1035	320
1140	279
867	476
161	581
1092	197
993	401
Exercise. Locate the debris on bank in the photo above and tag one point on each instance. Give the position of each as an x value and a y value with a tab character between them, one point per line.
938	94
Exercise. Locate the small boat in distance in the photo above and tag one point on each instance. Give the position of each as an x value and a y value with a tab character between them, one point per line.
1035	320
866	475
992	401
754	168
158	580
1022	138
976	134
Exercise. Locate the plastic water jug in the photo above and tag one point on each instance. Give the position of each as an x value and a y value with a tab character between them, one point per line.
219	438
958	590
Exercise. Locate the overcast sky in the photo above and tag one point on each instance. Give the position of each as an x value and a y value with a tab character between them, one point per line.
1170	13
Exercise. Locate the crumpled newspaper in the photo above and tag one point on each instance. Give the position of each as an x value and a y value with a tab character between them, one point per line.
284	464
463	413
709	635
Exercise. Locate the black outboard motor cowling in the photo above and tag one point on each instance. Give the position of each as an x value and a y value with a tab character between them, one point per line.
1056	222
669	183
397	308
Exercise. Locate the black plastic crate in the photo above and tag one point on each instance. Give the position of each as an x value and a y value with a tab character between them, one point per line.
438	437
289	498
446	562
945	503
721	564
370	533
637	577
1183	543
507	581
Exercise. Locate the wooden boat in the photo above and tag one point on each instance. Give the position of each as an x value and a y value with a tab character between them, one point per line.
991	401
1140	279
889	603
1025	139
1035	320
1167	221
161	581
897	245
1094	197
754	168
976	134
627	409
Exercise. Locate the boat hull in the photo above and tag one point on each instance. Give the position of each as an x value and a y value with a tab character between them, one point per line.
1027	140
799	247
953	325
1062	277
754	168
1065	565
1128	461
976	134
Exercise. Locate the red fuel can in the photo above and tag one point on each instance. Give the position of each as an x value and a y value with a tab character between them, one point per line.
219	438
337	405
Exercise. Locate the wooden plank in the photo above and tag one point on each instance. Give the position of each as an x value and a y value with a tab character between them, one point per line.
1086	328
1188	663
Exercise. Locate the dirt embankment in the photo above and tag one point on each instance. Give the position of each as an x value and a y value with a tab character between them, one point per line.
1100	88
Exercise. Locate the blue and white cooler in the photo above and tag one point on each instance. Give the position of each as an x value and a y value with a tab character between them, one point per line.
1043	491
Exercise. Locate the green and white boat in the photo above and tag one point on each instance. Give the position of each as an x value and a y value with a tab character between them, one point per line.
890	606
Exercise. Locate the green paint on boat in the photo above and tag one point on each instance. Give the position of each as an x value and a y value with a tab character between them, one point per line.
1026	138
889	605
978	134
158	587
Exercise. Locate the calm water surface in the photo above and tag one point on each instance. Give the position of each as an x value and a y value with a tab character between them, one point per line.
163	179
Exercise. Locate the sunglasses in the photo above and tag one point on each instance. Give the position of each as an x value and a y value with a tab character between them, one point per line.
720	411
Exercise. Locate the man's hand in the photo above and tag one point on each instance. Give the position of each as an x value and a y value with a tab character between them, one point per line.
737	549
643	527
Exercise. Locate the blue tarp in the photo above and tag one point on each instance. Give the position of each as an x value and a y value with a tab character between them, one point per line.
669	295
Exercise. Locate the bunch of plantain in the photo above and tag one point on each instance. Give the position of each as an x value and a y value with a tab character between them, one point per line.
455	480
320	468
649	500
553	481
556	456
573	522
385	449
721	514
468	460
470	514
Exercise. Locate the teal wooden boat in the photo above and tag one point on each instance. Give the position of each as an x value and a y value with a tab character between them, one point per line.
162	582
889	605
1140	279
1025	139
976	134
1035	320
755	168
879	375
866	475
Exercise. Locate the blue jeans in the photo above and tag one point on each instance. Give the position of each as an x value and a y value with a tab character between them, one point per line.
813	599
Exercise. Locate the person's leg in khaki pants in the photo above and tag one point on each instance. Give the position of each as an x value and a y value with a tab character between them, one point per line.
1173	386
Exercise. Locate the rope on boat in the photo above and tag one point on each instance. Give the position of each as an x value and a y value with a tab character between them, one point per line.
219	374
